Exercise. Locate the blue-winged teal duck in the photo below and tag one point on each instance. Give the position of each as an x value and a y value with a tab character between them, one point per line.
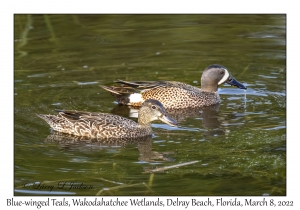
175	95
101	125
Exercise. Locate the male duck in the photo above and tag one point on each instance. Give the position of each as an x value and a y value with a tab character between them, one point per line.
176	95
100	125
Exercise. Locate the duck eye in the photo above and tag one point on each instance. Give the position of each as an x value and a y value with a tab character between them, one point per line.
153	107
222	72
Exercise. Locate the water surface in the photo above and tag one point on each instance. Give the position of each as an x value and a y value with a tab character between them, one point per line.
240	145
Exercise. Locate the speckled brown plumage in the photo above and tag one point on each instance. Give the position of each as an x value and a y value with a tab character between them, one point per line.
101	125
176	95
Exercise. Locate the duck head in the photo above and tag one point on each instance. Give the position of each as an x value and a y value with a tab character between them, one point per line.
153	110
215	75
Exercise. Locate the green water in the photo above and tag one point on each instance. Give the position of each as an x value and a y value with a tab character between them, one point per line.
240	146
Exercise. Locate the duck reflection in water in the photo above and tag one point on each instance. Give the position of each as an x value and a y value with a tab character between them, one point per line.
209	114
87	144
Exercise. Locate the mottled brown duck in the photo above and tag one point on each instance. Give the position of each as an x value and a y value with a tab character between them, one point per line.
102	125
175	95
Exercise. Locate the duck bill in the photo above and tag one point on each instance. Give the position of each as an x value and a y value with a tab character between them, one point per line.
234	82
168	120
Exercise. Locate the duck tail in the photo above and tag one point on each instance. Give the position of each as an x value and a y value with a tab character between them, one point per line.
130	84
112	90
56	122
142	85
125	95
50	119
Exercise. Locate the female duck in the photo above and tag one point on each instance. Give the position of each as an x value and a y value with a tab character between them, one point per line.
101	125
176	95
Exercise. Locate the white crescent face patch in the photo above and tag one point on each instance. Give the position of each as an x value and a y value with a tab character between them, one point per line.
224	78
